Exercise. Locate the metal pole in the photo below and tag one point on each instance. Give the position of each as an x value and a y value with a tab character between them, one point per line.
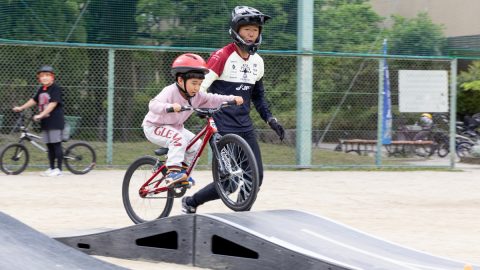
453	110
304	85
110	104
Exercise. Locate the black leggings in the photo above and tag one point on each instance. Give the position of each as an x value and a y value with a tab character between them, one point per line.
209	193
55	152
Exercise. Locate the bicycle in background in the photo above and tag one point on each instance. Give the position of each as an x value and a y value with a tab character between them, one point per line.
234	167
79	157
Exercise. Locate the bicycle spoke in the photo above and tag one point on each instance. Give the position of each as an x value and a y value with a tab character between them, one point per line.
14	158
145	202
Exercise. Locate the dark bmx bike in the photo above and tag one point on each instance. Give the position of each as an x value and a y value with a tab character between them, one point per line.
234	167
79	157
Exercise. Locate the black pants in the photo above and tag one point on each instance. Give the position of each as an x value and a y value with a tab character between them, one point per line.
55	153
209	193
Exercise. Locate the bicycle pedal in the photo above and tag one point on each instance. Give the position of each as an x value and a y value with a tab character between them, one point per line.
186	184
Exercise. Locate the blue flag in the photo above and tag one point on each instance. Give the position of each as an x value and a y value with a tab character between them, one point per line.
387	101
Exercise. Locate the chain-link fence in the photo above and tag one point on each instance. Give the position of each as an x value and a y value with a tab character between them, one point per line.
107	93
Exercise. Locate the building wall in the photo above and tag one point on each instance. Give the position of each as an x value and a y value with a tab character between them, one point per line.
459	17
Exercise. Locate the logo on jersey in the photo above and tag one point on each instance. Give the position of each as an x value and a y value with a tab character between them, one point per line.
243	87
255	69
245	69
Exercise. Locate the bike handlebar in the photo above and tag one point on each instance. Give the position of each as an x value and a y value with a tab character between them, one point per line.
204	111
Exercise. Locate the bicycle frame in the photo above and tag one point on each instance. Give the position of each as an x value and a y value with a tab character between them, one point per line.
32	138
209	135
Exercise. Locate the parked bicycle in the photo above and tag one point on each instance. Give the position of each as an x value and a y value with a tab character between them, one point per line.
403	133
235	173
79	157
441	139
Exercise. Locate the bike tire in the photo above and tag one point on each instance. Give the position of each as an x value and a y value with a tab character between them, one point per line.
80	158
14	158
143	209
463	149
237	191
425	150
443	147
398	150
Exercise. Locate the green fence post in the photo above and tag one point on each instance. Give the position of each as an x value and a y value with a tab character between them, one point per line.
453	110
110	105
304	85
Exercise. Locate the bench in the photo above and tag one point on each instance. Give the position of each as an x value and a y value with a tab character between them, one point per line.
361	146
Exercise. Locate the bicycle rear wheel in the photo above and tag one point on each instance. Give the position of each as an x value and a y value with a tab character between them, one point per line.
80	158
238	185
14	158
142	206
463	149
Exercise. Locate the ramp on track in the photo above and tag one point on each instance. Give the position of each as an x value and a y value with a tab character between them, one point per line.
279	239
23	248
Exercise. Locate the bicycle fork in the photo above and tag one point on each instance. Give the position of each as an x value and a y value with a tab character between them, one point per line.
224	172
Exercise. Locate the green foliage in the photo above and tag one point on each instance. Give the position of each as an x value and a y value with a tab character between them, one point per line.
345	24
417	36
469	94
339	26
111	21
186	23
36	20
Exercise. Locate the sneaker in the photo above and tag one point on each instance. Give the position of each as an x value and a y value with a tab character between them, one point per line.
47	172
187	209
176	179
192	182
55	172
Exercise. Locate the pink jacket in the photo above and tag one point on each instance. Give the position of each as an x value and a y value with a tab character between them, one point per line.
158	116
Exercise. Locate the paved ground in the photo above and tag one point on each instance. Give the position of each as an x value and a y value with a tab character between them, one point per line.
432	211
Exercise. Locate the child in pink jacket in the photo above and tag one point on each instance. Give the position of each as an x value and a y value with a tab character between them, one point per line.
166	129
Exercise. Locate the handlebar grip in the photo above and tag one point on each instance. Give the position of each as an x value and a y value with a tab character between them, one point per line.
231	102
183	108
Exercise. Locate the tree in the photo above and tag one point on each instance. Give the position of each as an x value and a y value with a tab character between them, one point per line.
469	94
186	23
36	20
112	22
345	26
417	36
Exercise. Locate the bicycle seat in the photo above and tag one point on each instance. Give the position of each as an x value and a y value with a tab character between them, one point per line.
161	151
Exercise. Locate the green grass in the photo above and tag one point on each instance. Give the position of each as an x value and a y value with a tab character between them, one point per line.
273	155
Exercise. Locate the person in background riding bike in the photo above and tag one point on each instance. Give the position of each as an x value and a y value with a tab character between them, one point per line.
166	129
51	116
238	69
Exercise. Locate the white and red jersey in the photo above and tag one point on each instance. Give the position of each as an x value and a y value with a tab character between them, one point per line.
158	116
230	74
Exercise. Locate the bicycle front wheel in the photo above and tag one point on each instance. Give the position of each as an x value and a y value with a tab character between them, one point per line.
141	205
14	158
80	158
238	184
425	150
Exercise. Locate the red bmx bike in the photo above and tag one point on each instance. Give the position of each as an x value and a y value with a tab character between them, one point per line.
235	173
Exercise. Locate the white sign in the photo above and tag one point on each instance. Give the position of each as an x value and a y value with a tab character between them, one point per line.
423	90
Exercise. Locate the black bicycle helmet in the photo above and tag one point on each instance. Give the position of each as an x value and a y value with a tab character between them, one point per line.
46	68
243	15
